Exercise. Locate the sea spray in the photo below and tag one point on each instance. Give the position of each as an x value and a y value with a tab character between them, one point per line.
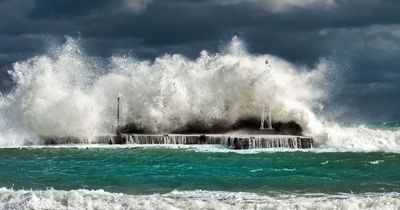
68	93
61	94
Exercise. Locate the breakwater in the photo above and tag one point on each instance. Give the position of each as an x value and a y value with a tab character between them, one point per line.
228	140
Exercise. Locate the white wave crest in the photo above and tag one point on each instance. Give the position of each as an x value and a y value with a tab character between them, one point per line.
358	138
99	199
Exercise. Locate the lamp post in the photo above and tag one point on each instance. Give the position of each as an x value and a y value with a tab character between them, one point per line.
119	96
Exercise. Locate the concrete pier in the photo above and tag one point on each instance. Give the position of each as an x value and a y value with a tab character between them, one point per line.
232	141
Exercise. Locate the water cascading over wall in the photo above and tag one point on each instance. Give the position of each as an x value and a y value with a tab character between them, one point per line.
230	141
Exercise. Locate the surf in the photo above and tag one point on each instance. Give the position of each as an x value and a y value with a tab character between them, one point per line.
94	199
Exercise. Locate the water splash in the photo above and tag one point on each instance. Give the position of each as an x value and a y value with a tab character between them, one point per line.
67	93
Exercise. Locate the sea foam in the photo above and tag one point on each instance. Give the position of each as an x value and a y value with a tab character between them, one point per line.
100	199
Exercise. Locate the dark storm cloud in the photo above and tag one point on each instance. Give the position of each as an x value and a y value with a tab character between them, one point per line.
364	35
51	8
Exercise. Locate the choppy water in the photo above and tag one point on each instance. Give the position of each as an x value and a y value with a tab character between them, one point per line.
145	177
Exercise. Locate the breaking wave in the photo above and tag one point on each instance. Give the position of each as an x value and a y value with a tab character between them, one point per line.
68	93
99	199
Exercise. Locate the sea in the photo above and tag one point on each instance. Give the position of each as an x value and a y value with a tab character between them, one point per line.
66	92
195	177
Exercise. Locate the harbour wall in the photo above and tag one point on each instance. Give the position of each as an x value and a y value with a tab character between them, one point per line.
231	141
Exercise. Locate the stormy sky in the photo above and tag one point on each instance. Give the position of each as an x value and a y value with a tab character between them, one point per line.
361	35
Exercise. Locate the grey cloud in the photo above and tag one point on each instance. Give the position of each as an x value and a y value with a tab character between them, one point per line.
281	5
71	8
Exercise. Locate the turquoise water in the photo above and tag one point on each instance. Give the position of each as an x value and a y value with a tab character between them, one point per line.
162	170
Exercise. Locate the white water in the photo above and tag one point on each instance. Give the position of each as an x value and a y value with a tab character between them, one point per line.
67	93
99	199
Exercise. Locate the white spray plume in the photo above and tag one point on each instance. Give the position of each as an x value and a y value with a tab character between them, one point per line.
66	93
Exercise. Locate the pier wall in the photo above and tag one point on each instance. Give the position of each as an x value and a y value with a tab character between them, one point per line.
230	141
